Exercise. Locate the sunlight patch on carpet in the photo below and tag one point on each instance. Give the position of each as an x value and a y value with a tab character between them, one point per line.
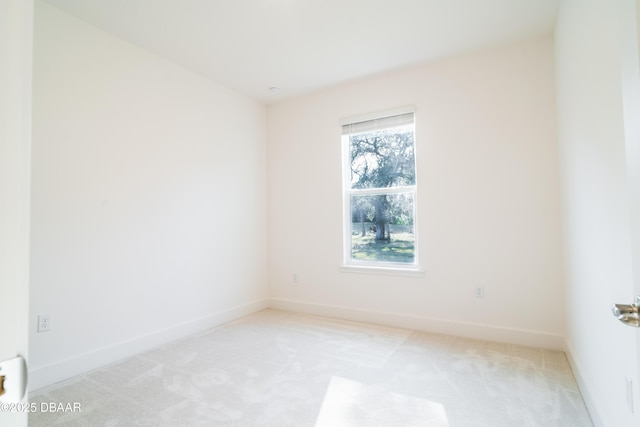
350	403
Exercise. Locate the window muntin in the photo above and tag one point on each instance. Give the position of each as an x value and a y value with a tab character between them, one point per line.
380	191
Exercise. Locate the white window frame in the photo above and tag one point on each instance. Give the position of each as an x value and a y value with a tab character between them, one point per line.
376	267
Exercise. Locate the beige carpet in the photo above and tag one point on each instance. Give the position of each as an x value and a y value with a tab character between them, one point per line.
284	369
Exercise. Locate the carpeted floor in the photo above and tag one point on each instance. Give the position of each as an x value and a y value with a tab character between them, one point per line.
283	369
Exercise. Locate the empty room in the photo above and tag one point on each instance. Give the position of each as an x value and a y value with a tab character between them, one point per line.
320	213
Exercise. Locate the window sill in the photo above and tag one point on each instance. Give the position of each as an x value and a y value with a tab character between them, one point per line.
385	271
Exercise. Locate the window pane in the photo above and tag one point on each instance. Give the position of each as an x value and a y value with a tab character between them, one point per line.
382	228
382	158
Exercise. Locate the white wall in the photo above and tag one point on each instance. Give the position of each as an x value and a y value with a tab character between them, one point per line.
149	199
596	204
489	199
16	37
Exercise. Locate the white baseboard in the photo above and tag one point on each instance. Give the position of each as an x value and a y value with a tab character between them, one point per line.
43	376
440	326
584	390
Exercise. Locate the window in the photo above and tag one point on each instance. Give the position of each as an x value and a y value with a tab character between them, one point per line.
380	191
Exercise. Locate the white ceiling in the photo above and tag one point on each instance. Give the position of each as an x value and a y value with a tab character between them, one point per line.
306	45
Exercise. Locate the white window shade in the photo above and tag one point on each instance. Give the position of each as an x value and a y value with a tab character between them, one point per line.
378	124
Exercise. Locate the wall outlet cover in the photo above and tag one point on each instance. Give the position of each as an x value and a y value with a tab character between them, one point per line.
44	323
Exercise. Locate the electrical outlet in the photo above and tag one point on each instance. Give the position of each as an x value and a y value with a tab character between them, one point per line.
295	277
44	323
479	292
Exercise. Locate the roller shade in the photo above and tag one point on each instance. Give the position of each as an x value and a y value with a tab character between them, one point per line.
378	124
